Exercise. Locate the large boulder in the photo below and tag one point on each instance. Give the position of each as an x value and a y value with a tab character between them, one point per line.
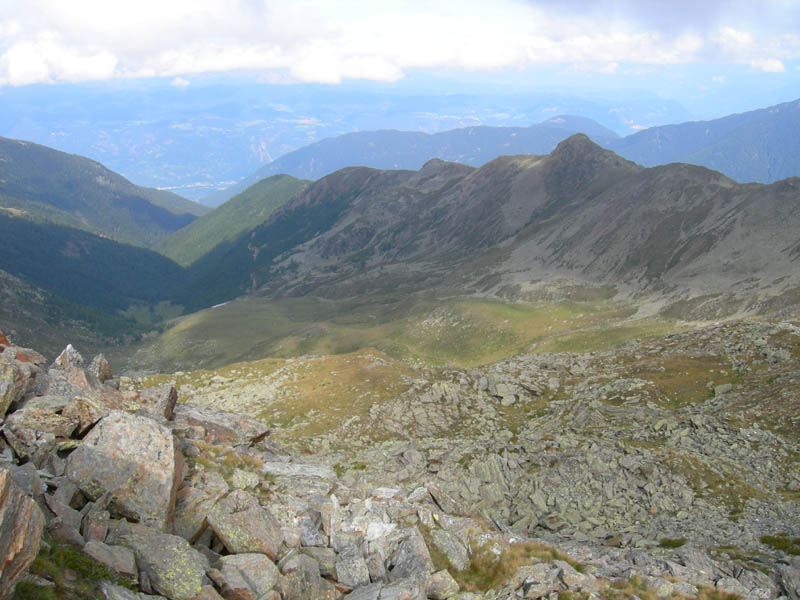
137	461
21	525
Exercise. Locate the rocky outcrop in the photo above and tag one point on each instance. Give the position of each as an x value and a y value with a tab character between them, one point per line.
21	525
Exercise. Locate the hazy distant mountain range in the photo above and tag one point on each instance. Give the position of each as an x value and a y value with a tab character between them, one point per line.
761	145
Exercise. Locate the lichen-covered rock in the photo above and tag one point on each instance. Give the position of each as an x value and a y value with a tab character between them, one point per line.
135	459
449	545
159	400
173	568
325	558
247	576
35	429
351	568
412	558
244	526
442	586
301	579
117	558
21	525
12	384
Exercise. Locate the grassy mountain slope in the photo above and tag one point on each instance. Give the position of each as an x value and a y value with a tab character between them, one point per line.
390	149
83	268
174	203
224	224
464	331
761	145
78	192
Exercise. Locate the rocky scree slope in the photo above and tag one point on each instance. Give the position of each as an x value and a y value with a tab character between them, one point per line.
550	476
581	214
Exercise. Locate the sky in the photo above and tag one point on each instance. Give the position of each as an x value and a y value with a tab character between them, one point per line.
331	41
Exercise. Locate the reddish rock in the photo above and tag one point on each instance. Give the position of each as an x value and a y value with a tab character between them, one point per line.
247	576
159	400
21	525
221	427
244	526
68	359
136	460
12	384
100	369
4	340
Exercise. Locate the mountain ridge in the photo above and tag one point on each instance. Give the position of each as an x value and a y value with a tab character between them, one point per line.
581	211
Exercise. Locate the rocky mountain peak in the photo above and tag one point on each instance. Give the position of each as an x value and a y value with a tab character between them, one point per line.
579	148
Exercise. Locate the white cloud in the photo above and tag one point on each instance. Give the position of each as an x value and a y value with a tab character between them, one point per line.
768	65
180	83
328	41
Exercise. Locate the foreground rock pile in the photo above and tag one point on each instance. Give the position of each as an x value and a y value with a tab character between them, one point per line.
185	501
